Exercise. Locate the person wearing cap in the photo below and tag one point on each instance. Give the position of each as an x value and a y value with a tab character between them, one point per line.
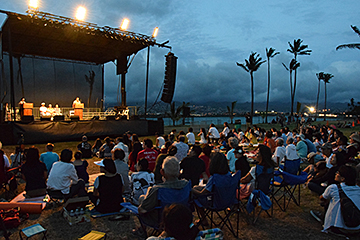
85	148
354	146
326	150
42	109
49	157
301	147
170	171
108	188
63	177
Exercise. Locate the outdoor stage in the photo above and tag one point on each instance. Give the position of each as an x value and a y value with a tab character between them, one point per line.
45	131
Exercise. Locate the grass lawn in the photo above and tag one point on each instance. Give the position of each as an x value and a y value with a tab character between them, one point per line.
295	223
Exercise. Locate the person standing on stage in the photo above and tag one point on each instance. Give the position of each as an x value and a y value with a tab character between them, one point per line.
76	101
21	107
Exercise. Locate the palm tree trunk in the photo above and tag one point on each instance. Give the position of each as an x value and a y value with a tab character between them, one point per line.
325	104
291	93
252	97
317	99
268	93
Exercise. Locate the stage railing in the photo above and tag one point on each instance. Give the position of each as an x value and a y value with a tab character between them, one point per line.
88	113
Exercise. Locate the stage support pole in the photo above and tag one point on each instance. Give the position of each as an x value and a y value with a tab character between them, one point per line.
123	91
147	79
12	92
102	88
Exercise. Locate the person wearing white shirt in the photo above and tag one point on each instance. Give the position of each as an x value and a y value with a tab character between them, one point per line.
160	141
190	136
280	151
326	150
122	146
226	129
346	176
213	133
290	152
63	177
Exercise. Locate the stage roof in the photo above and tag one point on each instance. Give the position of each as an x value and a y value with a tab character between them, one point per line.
42	34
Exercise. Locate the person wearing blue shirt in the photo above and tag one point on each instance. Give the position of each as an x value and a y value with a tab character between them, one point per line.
49	157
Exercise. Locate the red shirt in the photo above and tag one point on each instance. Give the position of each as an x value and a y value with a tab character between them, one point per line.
150	155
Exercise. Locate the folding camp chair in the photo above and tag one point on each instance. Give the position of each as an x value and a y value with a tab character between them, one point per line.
221	199
260	196
166	197
8	181
287	184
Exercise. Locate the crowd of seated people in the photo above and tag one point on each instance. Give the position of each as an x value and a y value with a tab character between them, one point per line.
141	167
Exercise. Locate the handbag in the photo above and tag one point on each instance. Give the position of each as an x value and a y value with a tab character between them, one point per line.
349	211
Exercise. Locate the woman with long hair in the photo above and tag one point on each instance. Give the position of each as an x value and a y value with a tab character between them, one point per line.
137	147
34	173
202	135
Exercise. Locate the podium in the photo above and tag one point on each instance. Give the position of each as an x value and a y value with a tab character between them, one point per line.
28	109
78	110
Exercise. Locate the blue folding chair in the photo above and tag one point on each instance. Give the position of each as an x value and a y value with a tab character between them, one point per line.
222	199
166	197
287	183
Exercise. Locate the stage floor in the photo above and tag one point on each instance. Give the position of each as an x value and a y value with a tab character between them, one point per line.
45	131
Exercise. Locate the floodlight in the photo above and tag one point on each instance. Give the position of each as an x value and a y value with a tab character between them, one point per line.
312	109
124	24
80	13
34	4
155	33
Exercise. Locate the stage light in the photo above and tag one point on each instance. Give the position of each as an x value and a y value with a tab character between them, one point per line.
34	4
311	109
80	13
124	24
155	33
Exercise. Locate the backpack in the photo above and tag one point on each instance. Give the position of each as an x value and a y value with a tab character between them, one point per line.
12	217
349	211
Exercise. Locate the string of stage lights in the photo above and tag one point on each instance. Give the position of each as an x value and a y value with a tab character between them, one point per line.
52	20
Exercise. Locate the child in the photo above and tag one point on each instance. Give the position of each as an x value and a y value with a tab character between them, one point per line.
81	166
141	180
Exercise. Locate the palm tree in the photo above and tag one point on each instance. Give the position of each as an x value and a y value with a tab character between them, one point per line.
251	65
297	49
327	77
292	66
320	77
231	111
351	45
175	113
270	53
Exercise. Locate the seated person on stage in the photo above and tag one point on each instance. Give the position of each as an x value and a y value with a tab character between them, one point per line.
171	171
49	157
108	188
81	167
123	169
193	167
177	222
219	169
85	148
141	180
333	222
34	173
57	110
43	110
63	177
50	110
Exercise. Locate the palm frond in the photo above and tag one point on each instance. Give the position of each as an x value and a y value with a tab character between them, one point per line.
350	45
287	69
356	29
243	66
